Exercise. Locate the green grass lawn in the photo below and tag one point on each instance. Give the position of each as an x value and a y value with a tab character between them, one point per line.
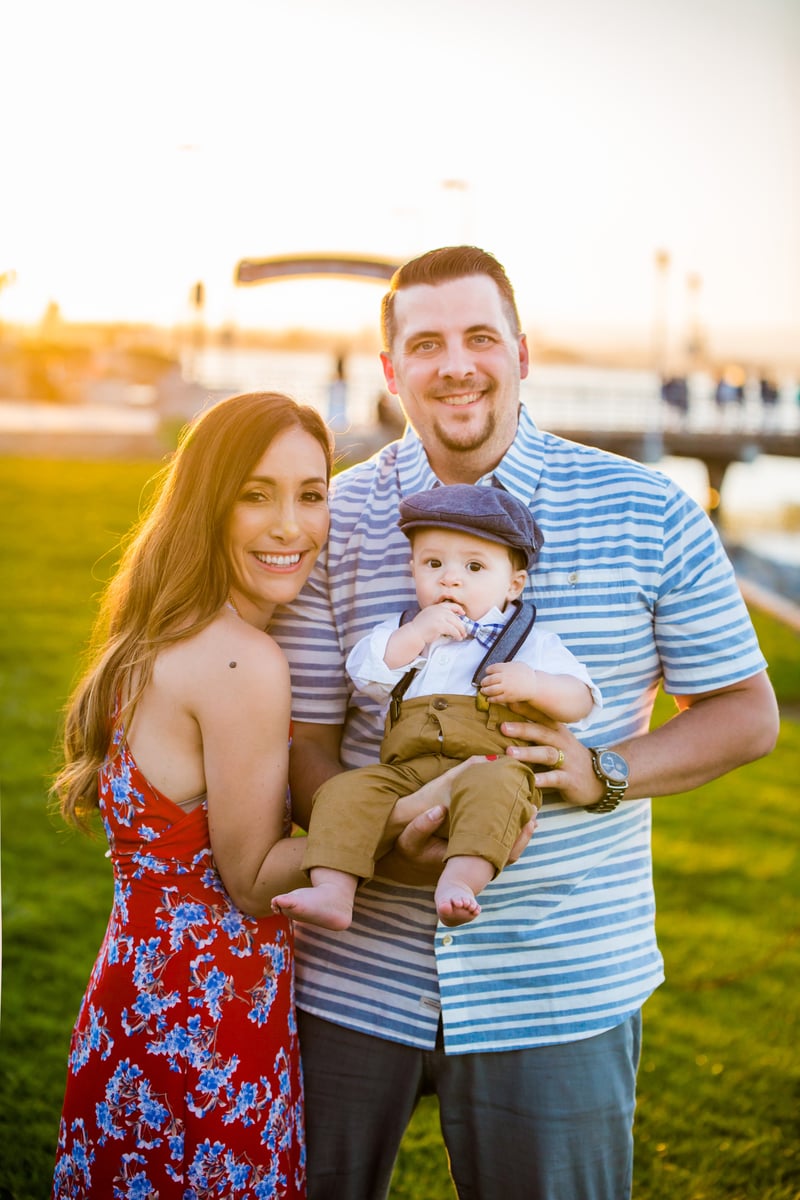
719	1088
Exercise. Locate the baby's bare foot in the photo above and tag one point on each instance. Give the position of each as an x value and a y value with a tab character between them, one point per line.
457	906
323	905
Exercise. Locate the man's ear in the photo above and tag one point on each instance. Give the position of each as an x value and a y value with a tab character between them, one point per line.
388	372
524	357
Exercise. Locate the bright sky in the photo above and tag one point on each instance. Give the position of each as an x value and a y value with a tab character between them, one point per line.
146	146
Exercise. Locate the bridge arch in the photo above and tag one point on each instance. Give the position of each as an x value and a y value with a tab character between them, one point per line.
297	266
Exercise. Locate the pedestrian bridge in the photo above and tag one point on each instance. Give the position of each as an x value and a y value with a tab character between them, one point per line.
715	449
298	266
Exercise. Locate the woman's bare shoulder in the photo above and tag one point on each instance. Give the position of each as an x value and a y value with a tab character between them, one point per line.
226	647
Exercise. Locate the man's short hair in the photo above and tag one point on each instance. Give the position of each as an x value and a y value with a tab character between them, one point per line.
439	266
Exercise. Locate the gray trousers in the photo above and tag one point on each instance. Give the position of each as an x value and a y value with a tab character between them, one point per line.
548	1123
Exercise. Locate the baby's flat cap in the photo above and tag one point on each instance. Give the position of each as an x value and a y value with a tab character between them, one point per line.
486	512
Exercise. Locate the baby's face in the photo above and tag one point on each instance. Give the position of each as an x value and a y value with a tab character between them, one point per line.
468	571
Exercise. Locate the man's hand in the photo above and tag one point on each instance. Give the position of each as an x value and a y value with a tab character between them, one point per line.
418	853
568	764
712	733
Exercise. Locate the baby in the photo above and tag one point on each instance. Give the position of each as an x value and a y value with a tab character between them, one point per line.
471	550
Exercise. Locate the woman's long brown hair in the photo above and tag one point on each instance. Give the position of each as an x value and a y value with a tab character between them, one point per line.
173	576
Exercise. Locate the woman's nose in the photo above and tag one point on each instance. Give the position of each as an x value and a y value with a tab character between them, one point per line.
285	524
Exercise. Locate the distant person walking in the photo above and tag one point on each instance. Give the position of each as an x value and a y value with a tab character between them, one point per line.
337	396
729	399
389	416
675	394
768	391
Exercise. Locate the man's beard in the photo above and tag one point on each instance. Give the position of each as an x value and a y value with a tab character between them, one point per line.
472	439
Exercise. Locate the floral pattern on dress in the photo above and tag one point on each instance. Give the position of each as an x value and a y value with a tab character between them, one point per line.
183	1075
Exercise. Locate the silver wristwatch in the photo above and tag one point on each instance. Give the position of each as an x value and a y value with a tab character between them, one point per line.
612	771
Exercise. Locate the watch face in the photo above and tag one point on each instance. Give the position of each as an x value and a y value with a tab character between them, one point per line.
613	766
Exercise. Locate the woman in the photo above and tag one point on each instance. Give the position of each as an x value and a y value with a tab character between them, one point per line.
183	1073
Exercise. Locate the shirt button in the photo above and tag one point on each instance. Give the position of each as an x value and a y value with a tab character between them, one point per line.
447	939
440	703
572	577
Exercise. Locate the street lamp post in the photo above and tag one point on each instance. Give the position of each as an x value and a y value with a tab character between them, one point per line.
662	263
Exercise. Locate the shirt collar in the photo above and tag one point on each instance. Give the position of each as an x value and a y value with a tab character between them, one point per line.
495	617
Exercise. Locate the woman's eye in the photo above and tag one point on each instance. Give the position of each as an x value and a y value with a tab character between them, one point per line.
254	497
313	498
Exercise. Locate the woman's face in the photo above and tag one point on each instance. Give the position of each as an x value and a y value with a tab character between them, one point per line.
278	525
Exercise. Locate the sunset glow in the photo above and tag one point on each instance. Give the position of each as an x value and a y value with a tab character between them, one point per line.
155	145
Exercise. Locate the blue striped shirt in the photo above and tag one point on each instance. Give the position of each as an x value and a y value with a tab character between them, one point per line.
633	578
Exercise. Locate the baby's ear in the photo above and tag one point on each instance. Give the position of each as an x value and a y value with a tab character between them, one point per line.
517	585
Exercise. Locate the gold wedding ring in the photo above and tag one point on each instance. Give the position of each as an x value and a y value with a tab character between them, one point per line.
559	761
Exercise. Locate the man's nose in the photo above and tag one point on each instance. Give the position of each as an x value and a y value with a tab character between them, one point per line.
457	362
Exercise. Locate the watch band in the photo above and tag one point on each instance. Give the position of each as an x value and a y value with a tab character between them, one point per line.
614	789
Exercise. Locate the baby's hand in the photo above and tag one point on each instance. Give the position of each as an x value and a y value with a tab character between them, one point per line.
439	620
509	682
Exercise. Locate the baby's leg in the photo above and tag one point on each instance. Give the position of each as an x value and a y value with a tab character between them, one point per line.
463	877
328	902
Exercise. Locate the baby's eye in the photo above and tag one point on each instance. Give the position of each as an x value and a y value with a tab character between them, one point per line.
474	567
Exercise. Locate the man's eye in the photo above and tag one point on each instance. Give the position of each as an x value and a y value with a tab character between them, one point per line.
425	347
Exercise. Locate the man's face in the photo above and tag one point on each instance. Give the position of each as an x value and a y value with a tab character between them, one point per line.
456	365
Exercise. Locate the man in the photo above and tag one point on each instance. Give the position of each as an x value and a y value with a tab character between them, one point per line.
525	1022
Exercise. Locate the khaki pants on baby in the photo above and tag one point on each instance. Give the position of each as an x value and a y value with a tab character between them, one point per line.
490	801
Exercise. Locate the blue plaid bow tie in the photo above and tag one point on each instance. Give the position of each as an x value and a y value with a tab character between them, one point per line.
485	632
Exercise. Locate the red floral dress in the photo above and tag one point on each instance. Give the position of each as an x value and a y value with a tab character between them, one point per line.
183	1077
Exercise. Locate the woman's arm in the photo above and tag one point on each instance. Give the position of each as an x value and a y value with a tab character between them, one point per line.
243	713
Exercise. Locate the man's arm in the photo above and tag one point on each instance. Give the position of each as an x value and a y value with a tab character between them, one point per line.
314	758
712	733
